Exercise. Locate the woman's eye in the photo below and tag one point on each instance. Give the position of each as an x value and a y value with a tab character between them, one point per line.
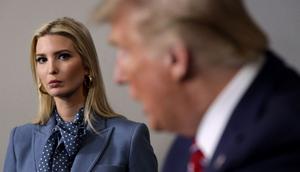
41	60
64	56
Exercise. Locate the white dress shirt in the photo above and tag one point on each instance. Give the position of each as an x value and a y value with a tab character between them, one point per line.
216	117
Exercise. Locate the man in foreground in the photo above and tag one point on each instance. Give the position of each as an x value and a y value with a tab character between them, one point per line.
202	69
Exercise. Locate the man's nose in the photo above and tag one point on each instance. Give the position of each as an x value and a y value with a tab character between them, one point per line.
120	75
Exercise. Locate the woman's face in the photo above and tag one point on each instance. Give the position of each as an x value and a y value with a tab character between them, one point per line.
59	67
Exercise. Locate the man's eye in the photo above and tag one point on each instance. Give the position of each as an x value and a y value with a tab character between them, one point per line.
41	60
64	56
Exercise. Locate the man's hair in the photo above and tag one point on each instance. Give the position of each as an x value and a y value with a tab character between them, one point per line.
218	31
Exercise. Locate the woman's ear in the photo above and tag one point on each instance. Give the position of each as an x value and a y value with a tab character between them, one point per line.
86	70
179	59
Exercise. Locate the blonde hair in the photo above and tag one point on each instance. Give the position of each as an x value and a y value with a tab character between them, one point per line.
220	31
96	102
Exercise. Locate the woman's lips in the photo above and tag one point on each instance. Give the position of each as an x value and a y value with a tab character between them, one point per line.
54	83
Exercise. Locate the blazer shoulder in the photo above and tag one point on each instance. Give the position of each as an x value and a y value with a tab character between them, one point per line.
121	121
127	129
27	127
23	132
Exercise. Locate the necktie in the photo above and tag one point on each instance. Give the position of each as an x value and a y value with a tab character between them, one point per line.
195	161
63	144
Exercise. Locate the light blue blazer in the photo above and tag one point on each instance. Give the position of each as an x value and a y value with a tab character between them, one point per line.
119	146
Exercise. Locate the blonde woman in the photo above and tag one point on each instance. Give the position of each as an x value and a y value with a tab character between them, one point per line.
76	129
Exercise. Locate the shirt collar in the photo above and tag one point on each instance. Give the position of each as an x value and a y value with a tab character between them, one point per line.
216	117
78	117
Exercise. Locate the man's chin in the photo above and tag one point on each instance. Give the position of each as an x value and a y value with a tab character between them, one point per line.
152	122
155	126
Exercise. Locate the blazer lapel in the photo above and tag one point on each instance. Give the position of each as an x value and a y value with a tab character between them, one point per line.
41	136
93	148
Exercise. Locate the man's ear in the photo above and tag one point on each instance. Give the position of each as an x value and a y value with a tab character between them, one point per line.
179	59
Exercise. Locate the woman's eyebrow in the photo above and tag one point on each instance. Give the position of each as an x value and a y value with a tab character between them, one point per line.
56	52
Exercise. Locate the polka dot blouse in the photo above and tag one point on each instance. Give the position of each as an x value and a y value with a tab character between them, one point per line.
63	144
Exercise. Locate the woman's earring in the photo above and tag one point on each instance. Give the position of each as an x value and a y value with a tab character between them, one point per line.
41	89
88	81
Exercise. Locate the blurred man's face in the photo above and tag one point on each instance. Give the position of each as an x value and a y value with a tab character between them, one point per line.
147	77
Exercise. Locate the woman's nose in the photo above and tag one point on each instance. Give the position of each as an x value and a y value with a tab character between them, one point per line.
52	67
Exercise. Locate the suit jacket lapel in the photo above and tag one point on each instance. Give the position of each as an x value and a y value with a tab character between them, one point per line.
41	136
93	147
247	110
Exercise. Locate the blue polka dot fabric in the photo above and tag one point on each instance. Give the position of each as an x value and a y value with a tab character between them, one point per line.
63	144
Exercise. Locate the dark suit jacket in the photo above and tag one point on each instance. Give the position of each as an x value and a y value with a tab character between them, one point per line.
120	146
263	133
